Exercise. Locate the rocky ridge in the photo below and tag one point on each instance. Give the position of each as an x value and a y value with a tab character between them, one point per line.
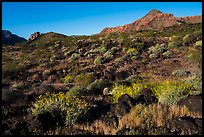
11	39
154	20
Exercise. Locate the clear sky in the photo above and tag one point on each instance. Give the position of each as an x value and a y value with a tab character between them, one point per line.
83	18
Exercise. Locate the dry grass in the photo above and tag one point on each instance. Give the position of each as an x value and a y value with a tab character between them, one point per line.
98	127
154	115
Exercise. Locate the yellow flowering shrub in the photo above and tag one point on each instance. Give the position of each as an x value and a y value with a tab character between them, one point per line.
119	90
71	107
168	92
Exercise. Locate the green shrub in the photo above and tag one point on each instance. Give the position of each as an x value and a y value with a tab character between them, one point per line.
84	79
187	38
92	51
196	84
133	78
195	55
113	50
198	43
64	49
139	46
57	44
125	57
101	49
70	107
67	79
91	55
170	92
174	44
179	73
75	56
98	85
132	51
198	32
118	60
167	54
153	55
157	49
81	51
67	53
53	58
174	38
75	91
99	60
134	57
108	55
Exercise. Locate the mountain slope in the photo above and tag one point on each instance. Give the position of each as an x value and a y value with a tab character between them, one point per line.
154	20
11	39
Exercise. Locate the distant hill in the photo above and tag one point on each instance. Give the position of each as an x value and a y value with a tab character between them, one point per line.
154	20
11	39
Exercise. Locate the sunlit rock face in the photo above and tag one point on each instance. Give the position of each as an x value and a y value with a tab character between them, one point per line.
154	20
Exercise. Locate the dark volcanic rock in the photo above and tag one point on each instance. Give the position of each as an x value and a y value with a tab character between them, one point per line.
11	97
48	121
121	75
193	103
125	103
100	108
146	97
20	128
187	126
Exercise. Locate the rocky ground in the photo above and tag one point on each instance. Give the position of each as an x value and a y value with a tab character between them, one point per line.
146	82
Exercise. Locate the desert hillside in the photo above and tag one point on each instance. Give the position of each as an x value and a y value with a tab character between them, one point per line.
154	20
145	82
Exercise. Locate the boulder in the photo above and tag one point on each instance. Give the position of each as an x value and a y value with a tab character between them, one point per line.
121	75
106	91
125	103
193	103
186	126
147	97
48	121
98	109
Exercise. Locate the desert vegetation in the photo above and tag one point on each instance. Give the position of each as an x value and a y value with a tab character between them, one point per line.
128	83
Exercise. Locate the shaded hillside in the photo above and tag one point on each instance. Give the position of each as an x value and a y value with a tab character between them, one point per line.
154	20
11	39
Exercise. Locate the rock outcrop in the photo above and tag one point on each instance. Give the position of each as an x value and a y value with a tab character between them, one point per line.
187	126
147	97
193	103
154	20
34	36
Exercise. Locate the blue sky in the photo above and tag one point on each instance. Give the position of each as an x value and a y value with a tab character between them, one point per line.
83	18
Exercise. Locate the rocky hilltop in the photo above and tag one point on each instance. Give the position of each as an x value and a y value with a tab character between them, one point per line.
154	20
34	36
11	39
